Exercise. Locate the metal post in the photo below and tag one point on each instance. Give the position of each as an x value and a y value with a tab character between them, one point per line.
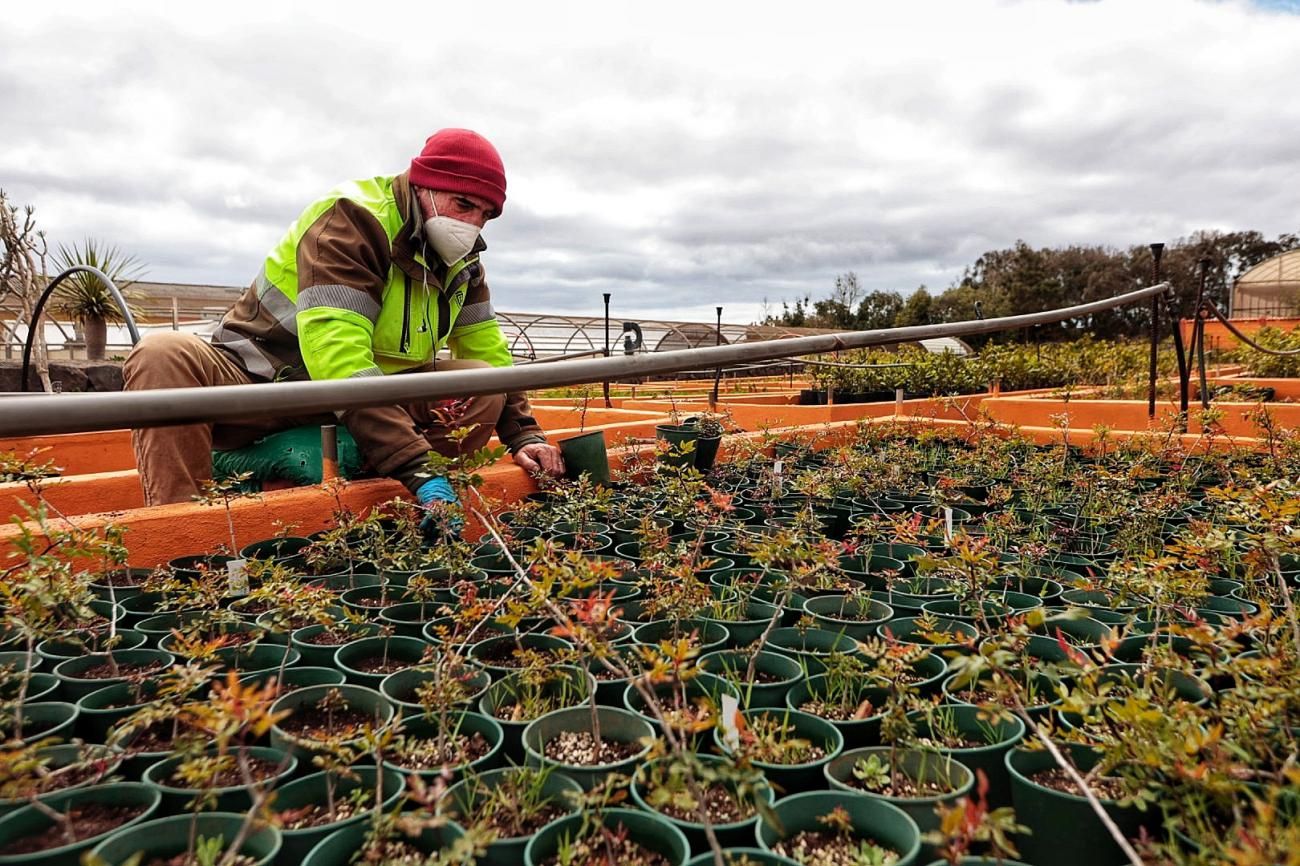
717	374
605	384
1198	333
1157	250
329	452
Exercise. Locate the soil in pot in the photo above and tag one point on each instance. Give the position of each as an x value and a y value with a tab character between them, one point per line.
635	838
30	835
85	821
513	803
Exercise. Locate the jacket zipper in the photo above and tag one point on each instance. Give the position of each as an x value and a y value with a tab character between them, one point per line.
444	317
406	317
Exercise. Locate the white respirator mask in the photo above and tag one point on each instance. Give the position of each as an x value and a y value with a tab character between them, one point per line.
450	238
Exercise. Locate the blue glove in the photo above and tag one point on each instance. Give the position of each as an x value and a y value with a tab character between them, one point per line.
437	490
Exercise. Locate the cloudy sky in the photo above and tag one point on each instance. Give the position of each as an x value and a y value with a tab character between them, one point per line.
677	154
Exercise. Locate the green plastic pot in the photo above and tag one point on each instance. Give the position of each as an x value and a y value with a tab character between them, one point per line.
160	629
787	778
979	861
368	601
45	719
810	647
103	708
586	454
407	650
701	454
409	617
368	701
907	630
756	856
176	798
106	761
463	722
1045	688
262	658
362	574
703	687
1001	736
708	635
854	615
872	818
125	583
1053	816
296	678
856	732
873	568
745	621
31	821
1167	684
142	605
733	666
1084	634
645	828
55	651
464	798
275	549
73	687
312	790
166	837
322	655
400	687
729	835
484	652
623	726
919	766
189	567
40	687
570	684
340	847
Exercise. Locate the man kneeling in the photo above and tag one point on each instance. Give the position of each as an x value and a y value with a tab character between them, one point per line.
373	279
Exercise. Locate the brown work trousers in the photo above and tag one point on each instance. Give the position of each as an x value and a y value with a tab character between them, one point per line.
175	461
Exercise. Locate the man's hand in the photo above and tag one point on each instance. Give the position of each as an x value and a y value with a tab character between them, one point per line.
540	455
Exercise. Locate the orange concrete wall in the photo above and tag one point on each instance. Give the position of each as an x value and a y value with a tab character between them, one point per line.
80	453
1130	414
1219	337
1285	389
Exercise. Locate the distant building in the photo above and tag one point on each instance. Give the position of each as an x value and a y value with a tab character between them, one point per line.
1271	288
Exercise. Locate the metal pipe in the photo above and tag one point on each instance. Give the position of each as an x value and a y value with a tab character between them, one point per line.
45	296
1156	251
29	415
717	374
329	452
1184	370
604	386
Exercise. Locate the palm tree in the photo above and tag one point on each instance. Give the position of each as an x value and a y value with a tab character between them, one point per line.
87	300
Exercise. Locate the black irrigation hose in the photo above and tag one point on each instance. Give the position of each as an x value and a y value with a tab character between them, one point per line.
1227	323
45	296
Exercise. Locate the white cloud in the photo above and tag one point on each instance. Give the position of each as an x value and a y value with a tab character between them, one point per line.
679	155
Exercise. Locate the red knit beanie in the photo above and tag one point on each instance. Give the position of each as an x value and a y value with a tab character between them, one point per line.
460	160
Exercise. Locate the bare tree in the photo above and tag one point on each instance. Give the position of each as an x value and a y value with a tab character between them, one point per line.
22	275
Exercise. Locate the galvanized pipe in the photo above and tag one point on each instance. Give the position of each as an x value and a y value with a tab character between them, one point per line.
72	413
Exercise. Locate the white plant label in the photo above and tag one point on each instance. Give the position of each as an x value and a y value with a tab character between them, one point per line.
777	471
730	735
947	524
237	577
